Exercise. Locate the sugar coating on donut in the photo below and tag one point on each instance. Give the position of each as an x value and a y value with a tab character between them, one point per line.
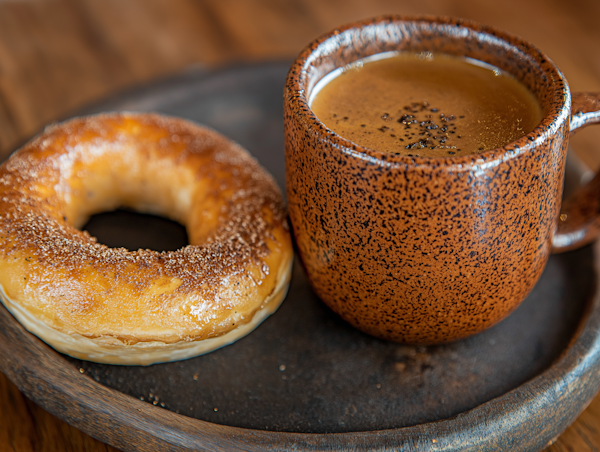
55	275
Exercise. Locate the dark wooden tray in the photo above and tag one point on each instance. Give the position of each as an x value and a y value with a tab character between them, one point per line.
305	380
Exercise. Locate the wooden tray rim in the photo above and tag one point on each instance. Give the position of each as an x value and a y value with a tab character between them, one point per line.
529	417
526	418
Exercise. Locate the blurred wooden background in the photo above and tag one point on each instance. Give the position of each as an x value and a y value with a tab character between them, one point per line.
58	55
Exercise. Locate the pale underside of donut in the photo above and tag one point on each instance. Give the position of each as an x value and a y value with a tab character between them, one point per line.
110	350
141	307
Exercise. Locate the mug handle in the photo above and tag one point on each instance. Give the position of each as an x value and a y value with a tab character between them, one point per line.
579	222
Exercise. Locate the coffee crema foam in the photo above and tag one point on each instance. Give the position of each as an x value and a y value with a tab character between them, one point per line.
425	105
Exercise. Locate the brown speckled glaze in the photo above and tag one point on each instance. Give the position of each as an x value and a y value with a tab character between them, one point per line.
426	250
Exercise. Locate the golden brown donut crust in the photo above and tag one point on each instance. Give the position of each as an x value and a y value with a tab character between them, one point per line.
237	264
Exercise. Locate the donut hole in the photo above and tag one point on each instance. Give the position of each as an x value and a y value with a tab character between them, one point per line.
115	180
132	230
127	201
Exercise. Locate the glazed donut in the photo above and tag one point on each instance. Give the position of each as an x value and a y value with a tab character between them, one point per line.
120	307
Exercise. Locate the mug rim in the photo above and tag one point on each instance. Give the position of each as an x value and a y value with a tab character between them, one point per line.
560	110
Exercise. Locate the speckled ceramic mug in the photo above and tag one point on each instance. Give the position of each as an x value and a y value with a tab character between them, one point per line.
428	250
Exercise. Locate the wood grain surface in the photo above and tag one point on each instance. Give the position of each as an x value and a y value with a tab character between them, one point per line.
58	55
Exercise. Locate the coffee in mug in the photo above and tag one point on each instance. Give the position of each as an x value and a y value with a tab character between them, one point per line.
425	105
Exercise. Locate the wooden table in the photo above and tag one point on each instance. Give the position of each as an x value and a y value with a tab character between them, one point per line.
58	55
